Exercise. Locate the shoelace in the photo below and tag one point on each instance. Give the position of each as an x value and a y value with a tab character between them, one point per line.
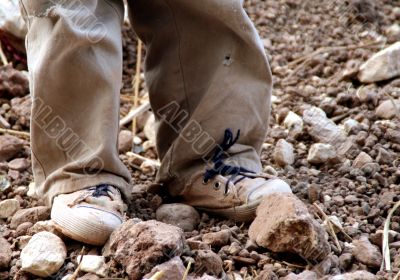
220	168
100	190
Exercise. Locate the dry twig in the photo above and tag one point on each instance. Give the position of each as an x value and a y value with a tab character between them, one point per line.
15	132
3	56
306	58
135	113
386	262
143	159
137	82
75	274
185	275
330	227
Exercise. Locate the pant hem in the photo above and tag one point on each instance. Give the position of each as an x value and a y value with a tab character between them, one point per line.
69	186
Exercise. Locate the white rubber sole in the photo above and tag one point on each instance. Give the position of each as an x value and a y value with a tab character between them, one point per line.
88	225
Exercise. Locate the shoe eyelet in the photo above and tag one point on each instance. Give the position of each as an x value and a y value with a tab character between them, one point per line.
217	185
205	182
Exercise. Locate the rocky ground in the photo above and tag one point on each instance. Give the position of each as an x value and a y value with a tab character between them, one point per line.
334	136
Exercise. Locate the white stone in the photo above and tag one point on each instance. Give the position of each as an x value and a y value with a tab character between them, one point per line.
283	153
356	275
350	124
393	31
32	190
321	153
44	255
8	207
93	264
381	66
322	128
137	140
335	223
148	167
294	123
67	277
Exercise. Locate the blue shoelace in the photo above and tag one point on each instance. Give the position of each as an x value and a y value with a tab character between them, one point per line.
219	167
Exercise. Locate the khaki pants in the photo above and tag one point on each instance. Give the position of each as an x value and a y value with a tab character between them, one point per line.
206	71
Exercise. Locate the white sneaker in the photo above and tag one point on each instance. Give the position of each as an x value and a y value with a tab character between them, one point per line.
90	215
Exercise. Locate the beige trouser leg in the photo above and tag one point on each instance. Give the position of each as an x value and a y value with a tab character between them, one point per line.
206	71
75	64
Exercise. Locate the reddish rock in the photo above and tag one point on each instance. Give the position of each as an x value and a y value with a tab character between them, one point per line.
32	215
367	253
172	270
283	224
21	107
12	82
9	147
217	239
5	253
206	261
139	246
19	164
180	215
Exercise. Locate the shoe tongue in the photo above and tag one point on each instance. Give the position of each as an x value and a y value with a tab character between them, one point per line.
101	190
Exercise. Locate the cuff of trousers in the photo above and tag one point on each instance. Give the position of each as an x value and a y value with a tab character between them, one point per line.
77	184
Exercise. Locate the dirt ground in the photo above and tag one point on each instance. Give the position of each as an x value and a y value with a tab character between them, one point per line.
313	48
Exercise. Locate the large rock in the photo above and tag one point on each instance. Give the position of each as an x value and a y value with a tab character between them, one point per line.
367	253
44	255
8	207
32	215
180	215
322	129
382	66
356	275
283	224
5	253
321	153
9	146
388	109
139	246
171	270
283	153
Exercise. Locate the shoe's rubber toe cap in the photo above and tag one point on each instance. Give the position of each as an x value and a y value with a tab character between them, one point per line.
268	187
85	223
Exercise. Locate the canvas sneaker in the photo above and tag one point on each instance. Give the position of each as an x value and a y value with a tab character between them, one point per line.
89	215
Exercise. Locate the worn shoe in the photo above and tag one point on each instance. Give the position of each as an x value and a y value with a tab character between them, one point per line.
230	191
89	215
